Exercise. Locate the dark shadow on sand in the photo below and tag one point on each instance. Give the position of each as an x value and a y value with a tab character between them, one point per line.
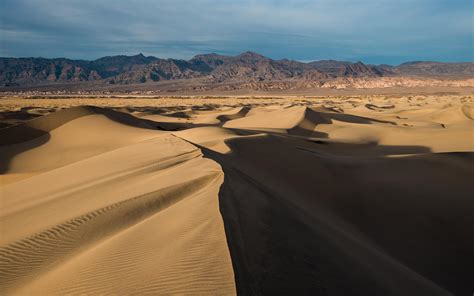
298	223
10	144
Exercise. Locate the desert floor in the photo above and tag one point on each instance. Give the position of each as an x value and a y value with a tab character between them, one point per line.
353	195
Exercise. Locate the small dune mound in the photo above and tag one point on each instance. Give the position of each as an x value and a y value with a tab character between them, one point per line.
218	117
330	108
308	122
239	114
452	114
379	107
211	137
167	123
468	111
179	114
348	118
279	119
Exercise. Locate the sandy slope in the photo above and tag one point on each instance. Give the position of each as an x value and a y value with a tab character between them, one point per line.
119	213
333	196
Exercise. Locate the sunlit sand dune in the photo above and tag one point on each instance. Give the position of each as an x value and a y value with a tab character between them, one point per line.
113	212
329	196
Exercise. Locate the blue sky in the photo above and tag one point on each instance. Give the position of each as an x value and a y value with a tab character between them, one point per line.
373	31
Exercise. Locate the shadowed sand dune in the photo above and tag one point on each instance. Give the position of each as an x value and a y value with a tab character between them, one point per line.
380	226
346	196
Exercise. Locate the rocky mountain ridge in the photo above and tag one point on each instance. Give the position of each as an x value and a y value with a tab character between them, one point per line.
246	68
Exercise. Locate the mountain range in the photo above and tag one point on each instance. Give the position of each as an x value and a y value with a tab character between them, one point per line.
248	67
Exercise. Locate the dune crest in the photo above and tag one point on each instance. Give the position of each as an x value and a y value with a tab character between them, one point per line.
160	188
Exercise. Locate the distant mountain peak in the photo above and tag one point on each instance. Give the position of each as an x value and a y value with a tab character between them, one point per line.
251	55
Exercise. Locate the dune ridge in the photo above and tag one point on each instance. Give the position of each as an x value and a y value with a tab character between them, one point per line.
105	197
331	196
41	125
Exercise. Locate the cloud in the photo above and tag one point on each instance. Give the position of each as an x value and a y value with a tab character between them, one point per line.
370	30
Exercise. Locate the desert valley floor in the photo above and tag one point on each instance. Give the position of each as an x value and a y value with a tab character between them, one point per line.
353	195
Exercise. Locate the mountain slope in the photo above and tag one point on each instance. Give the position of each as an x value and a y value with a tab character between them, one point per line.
248	67
348	69
435	68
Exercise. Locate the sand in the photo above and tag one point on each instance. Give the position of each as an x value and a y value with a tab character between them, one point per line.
359	195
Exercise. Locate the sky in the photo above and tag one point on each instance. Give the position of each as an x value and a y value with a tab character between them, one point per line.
372	31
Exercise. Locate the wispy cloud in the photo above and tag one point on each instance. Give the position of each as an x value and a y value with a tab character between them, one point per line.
377	31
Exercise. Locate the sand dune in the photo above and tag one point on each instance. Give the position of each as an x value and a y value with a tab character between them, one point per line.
98	207
331	196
